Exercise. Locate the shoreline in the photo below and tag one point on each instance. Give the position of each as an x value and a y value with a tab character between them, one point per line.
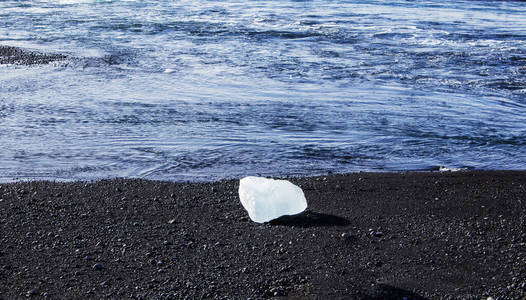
364	235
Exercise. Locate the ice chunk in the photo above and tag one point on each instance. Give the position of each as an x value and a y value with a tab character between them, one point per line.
267	199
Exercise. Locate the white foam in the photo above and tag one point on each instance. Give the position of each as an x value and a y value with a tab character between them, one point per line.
446	169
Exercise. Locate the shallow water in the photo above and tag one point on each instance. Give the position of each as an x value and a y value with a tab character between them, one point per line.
202	90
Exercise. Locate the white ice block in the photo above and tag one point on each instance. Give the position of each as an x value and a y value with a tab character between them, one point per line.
267	199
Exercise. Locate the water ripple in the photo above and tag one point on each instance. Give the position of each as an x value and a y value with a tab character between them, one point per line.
208	90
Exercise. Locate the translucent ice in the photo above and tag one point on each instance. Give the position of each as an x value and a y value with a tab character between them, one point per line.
267	199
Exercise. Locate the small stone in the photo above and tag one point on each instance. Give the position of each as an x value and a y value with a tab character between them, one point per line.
172	221
166	243
97	267
277	291
376	233
32	292
160	263
346	235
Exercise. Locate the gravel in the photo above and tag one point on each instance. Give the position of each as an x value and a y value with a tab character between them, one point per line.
437	235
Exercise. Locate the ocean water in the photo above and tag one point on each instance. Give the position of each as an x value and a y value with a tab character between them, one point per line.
203	90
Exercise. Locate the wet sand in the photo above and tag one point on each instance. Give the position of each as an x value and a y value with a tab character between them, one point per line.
365	235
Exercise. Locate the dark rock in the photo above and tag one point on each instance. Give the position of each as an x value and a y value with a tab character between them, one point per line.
376	233
32	292
346	235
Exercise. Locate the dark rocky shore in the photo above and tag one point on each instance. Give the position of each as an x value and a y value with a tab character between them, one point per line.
365	235
18	56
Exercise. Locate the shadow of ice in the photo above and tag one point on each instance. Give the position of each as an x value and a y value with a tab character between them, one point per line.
310	219
386	291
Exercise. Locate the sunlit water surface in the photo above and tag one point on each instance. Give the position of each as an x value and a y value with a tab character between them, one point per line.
203	90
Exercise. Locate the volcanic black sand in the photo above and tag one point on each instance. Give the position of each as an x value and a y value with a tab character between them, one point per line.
365	235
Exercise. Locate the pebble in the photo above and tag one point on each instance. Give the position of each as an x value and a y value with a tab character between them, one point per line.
346	235
277	291
376	233
32	292
97	267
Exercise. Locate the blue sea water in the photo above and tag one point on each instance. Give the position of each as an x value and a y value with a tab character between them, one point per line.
203	90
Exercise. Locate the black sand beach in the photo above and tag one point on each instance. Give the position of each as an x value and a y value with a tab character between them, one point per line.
365	235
